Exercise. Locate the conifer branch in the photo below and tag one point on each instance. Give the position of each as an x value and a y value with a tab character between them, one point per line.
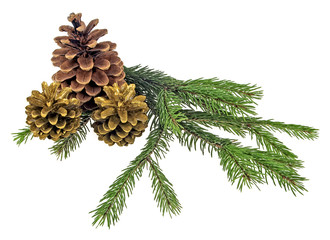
216	96
169	110
113	202
162	188
211	95
279	169
241	125
237	167
226	105
247	166
22	136
269	142
63	147
222	121
251	92
293	130
173	111
149	82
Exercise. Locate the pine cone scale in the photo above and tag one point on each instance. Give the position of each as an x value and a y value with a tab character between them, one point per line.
86	63
102	63
68	65
60	52
83	76
100	78
83	97
72	53
90	26
61	76
93	91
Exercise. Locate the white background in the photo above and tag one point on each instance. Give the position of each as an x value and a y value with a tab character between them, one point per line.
283	46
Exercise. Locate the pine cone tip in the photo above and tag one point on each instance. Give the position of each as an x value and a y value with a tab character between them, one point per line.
72	17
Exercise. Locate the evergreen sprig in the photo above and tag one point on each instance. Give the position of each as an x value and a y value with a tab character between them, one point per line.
247	166
113	201
215	96
170	111
189	110
162	188
63	147
23	135
241	124
227	105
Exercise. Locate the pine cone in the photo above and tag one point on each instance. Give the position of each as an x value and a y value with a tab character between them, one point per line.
86	66
51	114
121	116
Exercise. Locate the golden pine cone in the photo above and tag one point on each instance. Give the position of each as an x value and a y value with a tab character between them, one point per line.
50	114
86	65
121	116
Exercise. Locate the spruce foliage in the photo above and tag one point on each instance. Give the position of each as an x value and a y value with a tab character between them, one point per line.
113	201
23	135
189	110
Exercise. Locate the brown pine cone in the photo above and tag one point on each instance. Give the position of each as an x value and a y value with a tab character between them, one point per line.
121	116
50	114
86	65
